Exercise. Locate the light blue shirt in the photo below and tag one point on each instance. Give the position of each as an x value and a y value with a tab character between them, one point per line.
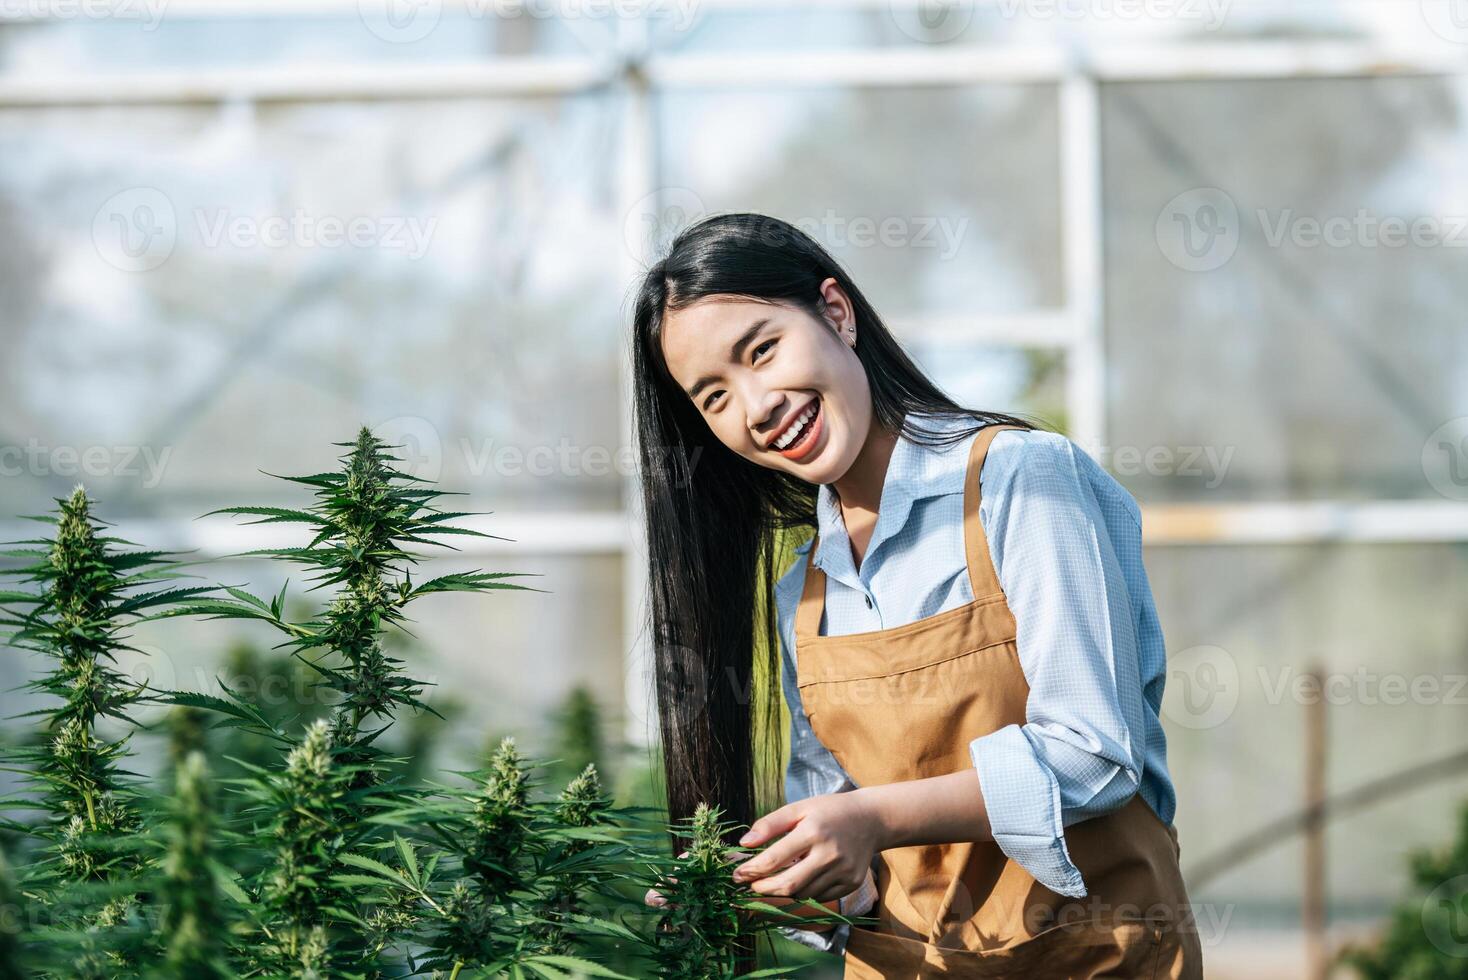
1066	542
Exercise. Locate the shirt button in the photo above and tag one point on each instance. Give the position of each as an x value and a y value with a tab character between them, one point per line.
869	601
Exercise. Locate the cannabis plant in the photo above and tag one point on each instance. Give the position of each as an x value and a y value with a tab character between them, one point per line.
13	954
328	858
86	591
360	523
193	921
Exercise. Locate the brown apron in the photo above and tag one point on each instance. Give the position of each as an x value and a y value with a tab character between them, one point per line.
904	703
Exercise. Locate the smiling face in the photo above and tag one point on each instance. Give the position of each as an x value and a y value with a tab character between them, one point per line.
778	386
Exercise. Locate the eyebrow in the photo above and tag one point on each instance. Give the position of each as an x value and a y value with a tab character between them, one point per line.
735	353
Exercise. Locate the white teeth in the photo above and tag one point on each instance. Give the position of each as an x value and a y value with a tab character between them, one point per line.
793	433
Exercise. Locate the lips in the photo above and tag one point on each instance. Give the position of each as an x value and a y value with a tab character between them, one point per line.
774	440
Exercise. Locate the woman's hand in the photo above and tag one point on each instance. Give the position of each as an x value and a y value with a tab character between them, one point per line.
825	848
658	899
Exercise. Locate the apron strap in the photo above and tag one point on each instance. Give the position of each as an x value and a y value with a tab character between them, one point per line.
813	599
981	574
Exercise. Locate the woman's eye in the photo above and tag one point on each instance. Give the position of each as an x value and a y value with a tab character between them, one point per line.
768	343
711	399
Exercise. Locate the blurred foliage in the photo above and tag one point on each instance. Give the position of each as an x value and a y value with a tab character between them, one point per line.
1427	935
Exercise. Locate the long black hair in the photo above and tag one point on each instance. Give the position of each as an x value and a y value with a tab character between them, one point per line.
713	517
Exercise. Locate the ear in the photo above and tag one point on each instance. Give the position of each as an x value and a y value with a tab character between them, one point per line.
840	314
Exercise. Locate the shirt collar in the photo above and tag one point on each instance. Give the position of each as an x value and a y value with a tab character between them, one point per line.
914	472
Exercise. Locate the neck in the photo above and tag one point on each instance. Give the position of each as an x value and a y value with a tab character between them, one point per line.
860	488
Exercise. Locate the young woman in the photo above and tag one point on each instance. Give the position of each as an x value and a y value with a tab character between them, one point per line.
974	679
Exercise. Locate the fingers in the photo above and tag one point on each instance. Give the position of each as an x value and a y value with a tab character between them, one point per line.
828	887
794	880
772	825
654	898
779	854
822	874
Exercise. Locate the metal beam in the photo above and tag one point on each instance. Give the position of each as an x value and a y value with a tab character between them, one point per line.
968	64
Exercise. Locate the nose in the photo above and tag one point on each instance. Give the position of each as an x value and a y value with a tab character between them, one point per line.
762	407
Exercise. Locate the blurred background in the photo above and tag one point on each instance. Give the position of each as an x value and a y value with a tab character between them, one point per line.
1218	243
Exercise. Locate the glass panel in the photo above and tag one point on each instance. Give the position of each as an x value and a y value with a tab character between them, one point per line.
1285	284
192	295
936	199
997	379
1243	625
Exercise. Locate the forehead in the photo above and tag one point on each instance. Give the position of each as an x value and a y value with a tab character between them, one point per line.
700	334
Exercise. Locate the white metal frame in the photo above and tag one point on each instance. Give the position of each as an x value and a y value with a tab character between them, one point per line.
634	73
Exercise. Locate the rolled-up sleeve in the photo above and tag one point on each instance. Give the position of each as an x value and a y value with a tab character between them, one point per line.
1082	748
812	769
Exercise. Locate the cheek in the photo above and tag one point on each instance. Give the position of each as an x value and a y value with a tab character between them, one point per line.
730	429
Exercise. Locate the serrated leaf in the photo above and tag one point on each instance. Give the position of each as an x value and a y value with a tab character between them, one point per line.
368	864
